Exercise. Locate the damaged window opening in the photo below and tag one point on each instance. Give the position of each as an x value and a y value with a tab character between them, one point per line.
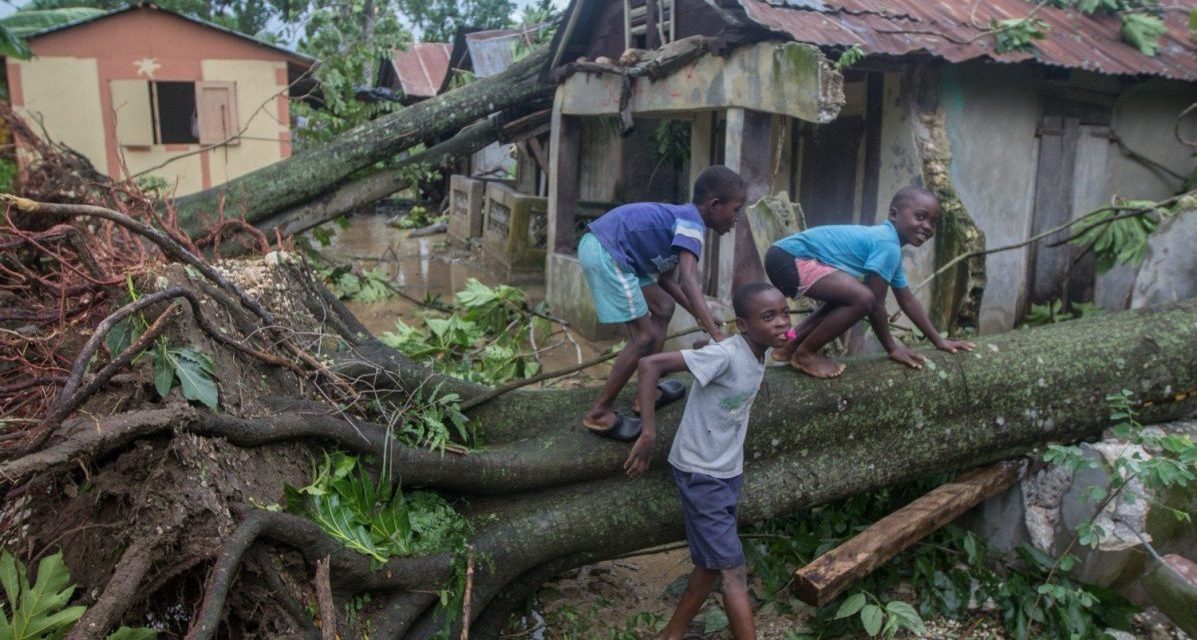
174	112
639	17
176	121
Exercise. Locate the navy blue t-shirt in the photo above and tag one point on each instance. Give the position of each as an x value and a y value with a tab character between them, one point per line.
645	237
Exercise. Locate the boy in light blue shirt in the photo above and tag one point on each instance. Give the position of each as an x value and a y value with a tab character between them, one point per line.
849	268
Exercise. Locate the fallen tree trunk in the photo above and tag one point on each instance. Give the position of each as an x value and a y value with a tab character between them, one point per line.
307	175
542	492
559	498
351	196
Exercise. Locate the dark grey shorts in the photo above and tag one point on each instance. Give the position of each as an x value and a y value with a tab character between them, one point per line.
709	505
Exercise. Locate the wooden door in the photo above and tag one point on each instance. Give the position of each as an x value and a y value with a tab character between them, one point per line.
827	184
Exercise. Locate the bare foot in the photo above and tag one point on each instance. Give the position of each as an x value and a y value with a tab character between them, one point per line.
599	421
813	364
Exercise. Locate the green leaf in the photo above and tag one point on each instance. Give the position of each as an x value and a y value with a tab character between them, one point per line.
338	521
133	633
37	610
850	57
850	606
1193	25
50	623
164	373
1017	34
10	569
119	337
195	371
906	616
29	22
714	621
1143	31
12	45
871	617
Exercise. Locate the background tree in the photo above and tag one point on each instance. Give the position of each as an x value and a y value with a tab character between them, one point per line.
251	17
349	40
439	20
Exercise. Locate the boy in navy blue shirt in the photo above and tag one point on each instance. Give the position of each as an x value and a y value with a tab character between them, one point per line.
638	259
850	268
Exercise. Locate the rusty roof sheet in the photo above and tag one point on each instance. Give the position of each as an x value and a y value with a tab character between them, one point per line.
956	31
422	68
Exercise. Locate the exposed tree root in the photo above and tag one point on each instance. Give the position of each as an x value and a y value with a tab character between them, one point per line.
282	594
353	572
122	592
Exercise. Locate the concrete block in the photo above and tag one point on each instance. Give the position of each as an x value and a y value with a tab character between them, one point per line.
515	232
569	297
465	207
1169	270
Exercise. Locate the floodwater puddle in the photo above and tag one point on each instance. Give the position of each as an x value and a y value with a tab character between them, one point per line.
432	266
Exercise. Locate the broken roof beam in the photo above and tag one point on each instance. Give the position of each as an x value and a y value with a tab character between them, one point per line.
833	572
785	78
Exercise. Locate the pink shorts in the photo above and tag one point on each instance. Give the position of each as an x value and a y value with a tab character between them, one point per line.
810	272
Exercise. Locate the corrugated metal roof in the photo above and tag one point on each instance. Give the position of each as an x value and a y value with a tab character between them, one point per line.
295	57
421	69
957	31
491	50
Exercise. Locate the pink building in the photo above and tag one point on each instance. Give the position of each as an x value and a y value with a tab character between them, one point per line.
147	91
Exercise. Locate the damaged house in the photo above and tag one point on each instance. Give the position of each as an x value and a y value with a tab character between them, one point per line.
1013	143
143	90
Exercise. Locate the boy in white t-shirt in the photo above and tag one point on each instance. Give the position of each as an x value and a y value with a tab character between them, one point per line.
708	451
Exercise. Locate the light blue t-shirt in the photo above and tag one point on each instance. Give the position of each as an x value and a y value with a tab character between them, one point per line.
710	437
854	249
645	237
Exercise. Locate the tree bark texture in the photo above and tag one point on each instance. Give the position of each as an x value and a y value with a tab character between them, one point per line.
310	173
350	196
814	441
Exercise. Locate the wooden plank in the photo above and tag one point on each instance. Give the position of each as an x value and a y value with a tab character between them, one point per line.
565	151
875	93
533	144
831	573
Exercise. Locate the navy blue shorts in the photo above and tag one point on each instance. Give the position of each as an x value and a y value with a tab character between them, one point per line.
710	508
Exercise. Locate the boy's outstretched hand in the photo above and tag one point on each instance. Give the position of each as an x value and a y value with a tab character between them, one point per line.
641	455
952	346
907	356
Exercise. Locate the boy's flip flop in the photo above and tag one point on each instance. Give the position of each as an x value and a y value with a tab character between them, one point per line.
625	429
671	391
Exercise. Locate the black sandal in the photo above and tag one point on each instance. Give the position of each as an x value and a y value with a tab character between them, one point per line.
625	429
671	391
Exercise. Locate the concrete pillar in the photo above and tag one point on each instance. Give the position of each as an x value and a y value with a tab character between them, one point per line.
563	188
700	143
747	151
